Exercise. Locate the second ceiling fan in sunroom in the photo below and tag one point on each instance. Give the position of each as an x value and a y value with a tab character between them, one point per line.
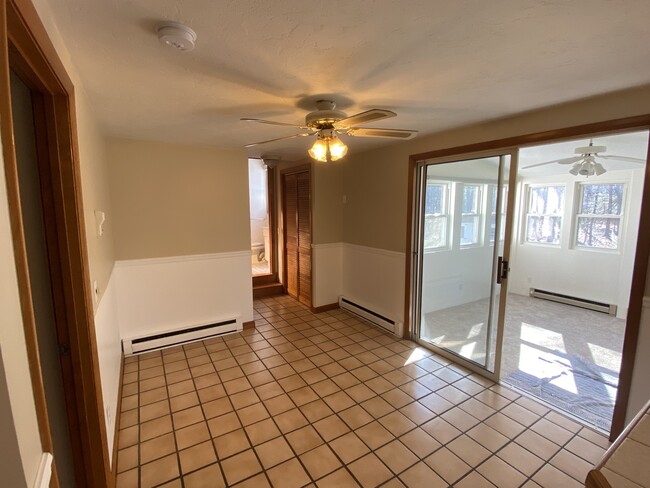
588	162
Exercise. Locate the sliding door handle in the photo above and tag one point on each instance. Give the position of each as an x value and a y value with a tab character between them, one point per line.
502	270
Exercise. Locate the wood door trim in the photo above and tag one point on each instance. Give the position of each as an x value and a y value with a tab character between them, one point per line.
18	240
26	45
642	253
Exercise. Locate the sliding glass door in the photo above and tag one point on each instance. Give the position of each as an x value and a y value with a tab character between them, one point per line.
461	256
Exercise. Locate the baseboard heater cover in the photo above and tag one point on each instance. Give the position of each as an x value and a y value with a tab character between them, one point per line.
386	323
162	340
575	301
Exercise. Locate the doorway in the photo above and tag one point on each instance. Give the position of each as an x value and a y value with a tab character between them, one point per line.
34	217
573	252
260	201
296	211
476	330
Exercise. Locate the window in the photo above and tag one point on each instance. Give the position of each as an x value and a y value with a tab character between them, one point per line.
493	212
436	216
471	218
599	216
544	214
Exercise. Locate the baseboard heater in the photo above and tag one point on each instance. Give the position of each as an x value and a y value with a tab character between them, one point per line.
138	345
575	301
375	318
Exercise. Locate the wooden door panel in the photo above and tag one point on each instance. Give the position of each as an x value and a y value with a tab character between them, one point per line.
291	234
304	237
297	234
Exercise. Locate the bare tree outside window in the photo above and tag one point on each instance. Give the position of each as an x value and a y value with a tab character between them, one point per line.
599	217
544	214
436	216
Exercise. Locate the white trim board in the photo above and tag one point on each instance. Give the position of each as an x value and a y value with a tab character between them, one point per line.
375	250
181	259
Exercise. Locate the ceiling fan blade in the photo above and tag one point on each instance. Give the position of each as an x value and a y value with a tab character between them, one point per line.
560	161
271	122
364	117
277	139
622	158
572	160
376	132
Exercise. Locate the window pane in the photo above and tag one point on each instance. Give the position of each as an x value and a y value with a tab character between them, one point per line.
602	199
470	199
543	229
435	231
469	227
600	233
546	200
435	199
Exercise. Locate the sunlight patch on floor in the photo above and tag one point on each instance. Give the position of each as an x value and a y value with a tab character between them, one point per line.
468	350
605	357
546	365
542	337
475	330
416	355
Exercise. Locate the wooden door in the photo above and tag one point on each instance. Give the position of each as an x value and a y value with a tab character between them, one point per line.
297	235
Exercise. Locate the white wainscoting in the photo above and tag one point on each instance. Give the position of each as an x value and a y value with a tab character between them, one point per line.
375	278
109	352
327	273
167	293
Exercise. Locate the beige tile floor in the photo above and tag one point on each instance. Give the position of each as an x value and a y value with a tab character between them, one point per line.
326	400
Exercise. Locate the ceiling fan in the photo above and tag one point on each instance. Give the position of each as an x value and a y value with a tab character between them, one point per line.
587	163
326	123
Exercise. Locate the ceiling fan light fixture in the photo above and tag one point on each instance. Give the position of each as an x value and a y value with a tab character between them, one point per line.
599	169
586	169
328	147
575	170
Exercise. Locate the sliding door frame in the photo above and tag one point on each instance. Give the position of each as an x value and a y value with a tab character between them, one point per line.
417	257
642	254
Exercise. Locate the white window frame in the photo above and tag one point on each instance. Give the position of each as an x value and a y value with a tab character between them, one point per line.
478	215
446	214
577	215
528	213
492	211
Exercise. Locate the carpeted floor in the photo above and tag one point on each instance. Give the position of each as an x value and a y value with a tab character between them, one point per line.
567	356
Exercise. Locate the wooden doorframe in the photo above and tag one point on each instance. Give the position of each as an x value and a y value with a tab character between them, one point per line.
642	254
302	168
27	49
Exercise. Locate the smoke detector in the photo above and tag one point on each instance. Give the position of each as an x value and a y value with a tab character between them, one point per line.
176	36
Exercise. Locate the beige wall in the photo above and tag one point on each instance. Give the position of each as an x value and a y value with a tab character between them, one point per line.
96	196
177	200
375	182
327	205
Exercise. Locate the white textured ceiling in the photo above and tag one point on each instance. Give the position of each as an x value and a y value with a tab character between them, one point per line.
437	63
